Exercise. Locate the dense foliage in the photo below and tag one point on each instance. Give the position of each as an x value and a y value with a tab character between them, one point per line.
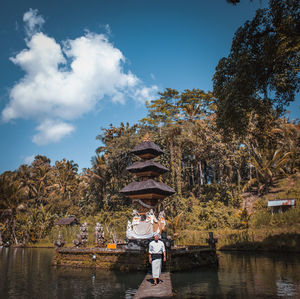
208	173
262	69
217	146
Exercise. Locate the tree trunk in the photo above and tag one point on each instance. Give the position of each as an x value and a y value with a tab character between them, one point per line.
200	174
238	177
172	166
221	175
214	175
13	228
205	172
178	171
192	175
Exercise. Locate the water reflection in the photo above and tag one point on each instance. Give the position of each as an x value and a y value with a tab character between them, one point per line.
27	273
243	275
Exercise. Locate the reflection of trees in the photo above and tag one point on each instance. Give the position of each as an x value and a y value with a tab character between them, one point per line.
28	273
240	275
197	283
256	275
94	283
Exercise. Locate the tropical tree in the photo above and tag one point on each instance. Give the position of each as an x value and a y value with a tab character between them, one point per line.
115	157
63	197
261	72
40	179
288	137
268	165
13	195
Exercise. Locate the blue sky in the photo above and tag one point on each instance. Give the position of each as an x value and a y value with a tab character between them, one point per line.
69	68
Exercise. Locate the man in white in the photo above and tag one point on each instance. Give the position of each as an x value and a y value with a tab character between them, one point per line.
156	249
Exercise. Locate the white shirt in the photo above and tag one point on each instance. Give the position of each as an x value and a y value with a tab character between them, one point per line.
157	247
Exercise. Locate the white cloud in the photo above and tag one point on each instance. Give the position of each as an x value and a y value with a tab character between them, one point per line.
50	131
145	93
107	29
64	80
33	22
28	160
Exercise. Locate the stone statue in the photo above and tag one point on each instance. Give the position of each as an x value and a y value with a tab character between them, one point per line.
60	241
150	216
99	235
136	217
161	217
82	237
135	213
129	226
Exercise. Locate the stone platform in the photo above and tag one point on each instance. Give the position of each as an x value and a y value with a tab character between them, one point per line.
178	258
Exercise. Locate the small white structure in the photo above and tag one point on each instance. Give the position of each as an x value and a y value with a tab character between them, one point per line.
281	205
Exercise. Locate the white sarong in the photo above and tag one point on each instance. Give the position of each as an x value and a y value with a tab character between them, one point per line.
156	268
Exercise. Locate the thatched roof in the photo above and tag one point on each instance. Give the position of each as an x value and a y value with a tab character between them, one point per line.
147	148
72	220
145	166
147	187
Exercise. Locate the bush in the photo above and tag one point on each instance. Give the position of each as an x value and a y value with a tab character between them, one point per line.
263	217
260	218
289	217
68	232
221	193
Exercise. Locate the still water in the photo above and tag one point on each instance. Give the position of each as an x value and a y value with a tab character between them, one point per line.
27	273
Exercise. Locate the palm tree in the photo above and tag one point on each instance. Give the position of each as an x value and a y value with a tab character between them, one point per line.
66	177
41	178
13	194
289	139
268	165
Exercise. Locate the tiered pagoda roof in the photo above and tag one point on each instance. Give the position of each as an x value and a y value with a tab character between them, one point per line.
147	168
147	149
147	189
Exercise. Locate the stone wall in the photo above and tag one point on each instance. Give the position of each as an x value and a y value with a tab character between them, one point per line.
112	259
191	257
183	258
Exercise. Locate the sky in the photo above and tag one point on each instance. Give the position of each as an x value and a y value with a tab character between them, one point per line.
70	68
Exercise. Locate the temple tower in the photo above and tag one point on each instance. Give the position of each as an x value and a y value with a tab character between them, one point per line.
146	192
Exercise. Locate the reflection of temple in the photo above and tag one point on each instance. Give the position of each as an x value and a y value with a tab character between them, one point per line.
146	192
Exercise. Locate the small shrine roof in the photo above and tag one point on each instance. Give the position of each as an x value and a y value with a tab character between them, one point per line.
147	166
72	220
147	147
148	186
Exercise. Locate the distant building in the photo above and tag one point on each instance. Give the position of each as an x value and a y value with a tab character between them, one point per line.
71	220
281	205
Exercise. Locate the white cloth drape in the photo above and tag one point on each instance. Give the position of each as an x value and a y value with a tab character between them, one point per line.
156	268
142	230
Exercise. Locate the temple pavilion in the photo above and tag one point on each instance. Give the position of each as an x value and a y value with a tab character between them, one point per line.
146	192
